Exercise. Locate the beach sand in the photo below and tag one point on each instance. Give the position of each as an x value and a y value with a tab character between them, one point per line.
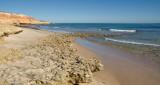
28	36
120	68
126	68
103	77
35	64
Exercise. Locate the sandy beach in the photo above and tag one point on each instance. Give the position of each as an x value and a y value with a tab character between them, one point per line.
80	42
40	57
103	77
126	68
21	56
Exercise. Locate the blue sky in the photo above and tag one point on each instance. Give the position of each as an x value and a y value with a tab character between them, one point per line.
93	11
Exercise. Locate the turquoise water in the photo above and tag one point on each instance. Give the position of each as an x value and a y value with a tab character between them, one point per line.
142	34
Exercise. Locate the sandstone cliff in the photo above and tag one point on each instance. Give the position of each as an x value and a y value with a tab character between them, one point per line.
13	18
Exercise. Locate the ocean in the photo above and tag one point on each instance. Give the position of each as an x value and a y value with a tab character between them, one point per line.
131	33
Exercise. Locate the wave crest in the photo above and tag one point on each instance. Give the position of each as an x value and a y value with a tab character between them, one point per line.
119	30
132	42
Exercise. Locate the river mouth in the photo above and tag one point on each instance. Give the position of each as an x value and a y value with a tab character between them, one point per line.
128	68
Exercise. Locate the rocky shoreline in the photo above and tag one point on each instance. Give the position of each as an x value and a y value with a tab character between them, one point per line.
50	60
6	30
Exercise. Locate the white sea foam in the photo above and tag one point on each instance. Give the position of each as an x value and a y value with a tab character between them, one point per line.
56	27
131	42
119	30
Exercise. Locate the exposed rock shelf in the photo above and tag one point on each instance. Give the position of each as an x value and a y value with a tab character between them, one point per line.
6	30
49	61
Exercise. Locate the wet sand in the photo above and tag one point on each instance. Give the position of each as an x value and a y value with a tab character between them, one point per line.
103	77
37	57
126	68
120	68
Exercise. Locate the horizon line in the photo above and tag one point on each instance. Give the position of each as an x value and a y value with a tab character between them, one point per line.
109	22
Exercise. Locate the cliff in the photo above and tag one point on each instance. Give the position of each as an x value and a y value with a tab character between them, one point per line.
14	18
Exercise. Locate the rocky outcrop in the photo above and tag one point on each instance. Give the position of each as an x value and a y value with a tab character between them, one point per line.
13	18
6	30
50	61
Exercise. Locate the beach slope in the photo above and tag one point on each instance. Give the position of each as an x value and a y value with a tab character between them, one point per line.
37	57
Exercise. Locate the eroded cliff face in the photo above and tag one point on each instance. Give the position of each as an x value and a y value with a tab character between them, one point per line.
13	18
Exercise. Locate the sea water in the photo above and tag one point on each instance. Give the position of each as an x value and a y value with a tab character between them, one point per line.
131	33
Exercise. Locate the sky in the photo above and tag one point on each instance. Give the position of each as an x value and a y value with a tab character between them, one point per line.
87	11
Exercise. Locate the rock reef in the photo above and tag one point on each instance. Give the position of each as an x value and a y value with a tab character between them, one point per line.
49	61
6	30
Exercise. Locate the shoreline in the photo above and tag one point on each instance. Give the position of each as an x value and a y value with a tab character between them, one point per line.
125	67
34	49
103	77
120	68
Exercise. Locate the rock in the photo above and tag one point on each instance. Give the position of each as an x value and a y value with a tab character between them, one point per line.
6	30
16	19
50	61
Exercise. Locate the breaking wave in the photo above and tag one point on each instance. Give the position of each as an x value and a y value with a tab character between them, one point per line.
119	30
131	42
